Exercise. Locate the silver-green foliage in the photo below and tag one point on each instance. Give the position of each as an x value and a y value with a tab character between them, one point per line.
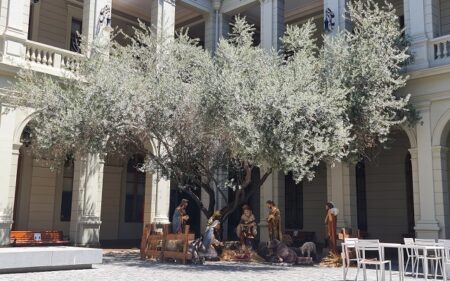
286	110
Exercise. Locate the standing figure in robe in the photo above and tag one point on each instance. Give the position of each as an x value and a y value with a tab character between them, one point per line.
274	221
180	217
330	222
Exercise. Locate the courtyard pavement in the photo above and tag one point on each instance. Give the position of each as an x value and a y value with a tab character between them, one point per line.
125	265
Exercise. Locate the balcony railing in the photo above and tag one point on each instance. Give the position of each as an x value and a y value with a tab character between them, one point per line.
441	50
49	58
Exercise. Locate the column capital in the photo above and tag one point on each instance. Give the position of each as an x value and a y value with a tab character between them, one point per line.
439	150
413	152
16	147
423	106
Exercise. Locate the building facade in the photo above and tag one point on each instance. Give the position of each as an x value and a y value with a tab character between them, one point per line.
404	191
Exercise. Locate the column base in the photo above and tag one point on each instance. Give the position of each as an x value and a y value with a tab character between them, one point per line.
5	229
161	220
427	229
88	232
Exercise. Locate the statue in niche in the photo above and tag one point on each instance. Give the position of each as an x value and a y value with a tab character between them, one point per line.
329	20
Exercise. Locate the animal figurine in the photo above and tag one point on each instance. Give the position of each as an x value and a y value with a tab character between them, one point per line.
309	248
281	252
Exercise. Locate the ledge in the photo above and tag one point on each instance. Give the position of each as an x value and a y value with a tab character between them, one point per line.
29	259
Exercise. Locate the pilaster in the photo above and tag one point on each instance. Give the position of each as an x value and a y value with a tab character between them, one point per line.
341	190
8	169
427	226
272	23
440	180
86	200
16	30
272	189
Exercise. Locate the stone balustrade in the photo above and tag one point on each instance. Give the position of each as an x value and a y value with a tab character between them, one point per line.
440	48
49	57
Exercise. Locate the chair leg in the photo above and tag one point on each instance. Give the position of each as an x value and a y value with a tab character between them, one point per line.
364	272
390	271
417	268
407	263
357	271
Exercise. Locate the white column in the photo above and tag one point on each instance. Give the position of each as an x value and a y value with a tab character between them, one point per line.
334	15
163	18
163	24
96	19
211	31
162	199
441	189
272	23
272	189
87	200
16	30
8	169
149	204
341	190
419	28
427	226
272	28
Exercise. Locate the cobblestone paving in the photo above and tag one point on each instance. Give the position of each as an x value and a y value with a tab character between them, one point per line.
126	265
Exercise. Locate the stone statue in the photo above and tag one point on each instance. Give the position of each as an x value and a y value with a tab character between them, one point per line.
247	228
104	19
329	20
180	217
330	222
274	221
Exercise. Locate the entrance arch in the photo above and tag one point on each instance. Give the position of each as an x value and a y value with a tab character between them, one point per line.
385	191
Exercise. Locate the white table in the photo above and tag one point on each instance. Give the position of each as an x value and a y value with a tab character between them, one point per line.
401	259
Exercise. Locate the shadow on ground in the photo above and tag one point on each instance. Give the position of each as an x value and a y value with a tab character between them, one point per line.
131	258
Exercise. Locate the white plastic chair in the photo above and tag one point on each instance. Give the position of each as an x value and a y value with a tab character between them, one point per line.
424	255
366	246
349	243
446	244
410	254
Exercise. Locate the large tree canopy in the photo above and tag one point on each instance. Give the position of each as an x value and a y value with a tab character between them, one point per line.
240	108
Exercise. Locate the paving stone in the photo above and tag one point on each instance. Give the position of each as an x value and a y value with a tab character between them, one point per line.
126	266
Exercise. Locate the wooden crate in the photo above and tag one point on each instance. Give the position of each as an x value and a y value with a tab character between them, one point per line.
154	245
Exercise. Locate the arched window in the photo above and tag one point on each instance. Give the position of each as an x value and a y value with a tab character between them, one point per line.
135	190
67	190
361	197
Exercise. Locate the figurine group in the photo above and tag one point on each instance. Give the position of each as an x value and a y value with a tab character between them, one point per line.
205	246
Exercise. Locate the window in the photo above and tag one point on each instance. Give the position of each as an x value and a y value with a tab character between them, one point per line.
67	190
75	31
361	200
135	190
293	203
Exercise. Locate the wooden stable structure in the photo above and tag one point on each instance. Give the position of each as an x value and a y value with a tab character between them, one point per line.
164	245
351	233
37	238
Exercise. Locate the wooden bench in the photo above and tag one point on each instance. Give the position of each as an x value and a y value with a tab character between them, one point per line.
37	238
159	245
